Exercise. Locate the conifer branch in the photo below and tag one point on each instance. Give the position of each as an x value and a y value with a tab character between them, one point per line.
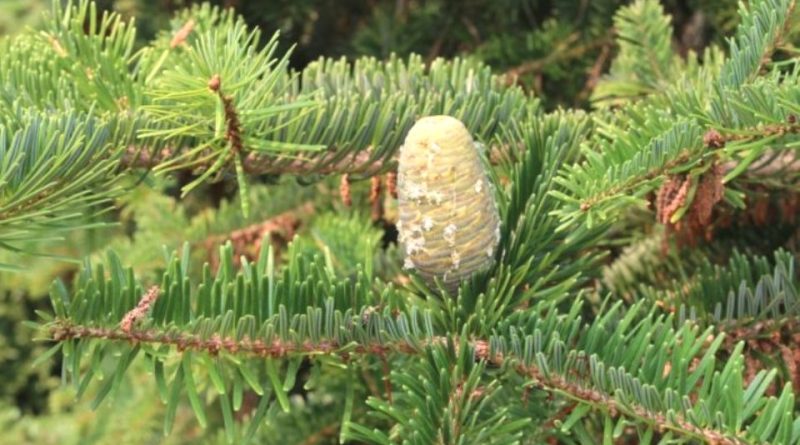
604	403
679	153
330	162
63	331
549	381
567	359
762	25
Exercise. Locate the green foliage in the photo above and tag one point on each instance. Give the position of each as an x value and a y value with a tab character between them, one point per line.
616	360
269	305
19	13
332	237
646	60
762	24
450	403
641	144
56	171
744	292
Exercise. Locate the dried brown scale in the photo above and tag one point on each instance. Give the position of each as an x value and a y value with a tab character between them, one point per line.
767	338
391	184
709	193
344	191
696	222
140	310
214	83
713	139
233	132
375	198
671	196
182	34
448	219
247	241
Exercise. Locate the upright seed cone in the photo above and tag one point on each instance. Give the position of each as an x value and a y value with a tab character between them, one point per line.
448	225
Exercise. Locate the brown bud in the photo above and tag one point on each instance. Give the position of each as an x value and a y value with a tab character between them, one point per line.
713	139
214	83
344	191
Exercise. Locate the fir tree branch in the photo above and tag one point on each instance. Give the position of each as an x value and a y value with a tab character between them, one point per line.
635	380
63	330
546	380
331	162
639	174
550	381
763	25
604	403
645	61
58	172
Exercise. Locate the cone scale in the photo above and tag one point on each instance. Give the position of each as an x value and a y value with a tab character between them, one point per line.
449	226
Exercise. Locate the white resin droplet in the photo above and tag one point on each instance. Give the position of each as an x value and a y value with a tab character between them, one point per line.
450	234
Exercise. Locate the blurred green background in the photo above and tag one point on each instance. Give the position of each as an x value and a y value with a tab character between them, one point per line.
554	47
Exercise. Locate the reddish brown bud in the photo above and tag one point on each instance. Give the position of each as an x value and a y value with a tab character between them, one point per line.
713	139
214	83
344	191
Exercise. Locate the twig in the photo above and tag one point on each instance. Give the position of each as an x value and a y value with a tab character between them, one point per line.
595	72
779	36
391	184
712	139
247	241
563	51
331	162
233	128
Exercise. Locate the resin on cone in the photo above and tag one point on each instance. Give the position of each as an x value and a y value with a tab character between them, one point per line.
448	225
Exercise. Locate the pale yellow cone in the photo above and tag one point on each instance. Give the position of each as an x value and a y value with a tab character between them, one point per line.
448	225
